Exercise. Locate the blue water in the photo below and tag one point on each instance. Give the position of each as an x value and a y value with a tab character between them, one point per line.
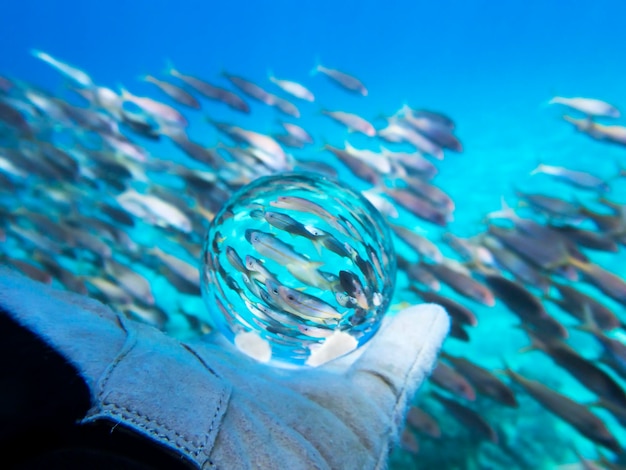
491	66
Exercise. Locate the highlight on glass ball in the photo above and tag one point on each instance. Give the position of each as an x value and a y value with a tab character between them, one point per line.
297	270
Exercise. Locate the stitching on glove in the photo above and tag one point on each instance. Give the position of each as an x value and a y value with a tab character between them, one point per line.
400	402
150	425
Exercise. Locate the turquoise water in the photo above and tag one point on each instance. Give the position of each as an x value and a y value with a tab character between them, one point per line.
492	68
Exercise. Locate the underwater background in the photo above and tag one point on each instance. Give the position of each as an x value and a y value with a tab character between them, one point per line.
490	66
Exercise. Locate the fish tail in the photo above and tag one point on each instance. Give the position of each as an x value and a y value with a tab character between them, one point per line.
271	76
170	69
539	169
316	68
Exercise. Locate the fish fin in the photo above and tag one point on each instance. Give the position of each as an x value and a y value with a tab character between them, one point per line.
589	324
270	75
146	77
316	68
170	69
539	169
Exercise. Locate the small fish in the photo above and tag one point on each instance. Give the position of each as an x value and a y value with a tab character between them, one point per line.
353	122
462	283
154	210
353	286
268	245
175	92
422	422
235	260
251	89
357	166
449	379
578	179
305	305
297	132
525	305
419	206
418	273
550	205
483	380
160	111
611	284
422	245
611	134
398	131
293	88
454	309
129	280
348	82
588	424
473	421
588	374
614	350
286	107
577	304
77	75
589	106
213	92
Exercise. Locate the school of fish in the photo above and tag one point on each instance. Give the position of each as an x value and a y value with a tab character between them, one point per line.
104	192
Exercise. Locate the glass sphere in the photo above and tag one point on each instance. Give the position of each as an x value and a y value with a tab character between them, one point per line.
297	269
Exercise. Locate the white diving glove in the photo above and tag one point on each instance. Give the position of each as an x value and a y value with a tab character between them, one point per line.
217	408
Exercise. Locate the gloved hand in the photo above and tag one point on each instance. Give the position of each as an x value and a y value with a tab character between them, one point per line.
217	407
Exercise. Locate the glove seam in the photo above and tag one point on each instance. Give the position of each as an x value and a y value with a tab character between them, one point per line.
390	428
150	425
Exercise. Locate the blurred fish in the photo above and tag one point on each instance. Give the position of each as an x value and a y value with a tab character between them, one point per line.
77	75
579	179
162	112
297	132
587	238
422	422
438	132
107	291
175	92
418	206
422	245
129	280
353	122
614	350
293	88
28	269
462	283
286	107
455	310
413	163
577	304
449	379
409	442
211	91
468	249
398	131
348	82
417	272
475	423
154	210
251	89
521	269
609	283
357	166
550	205
483	380
588	424
582	369
525	305
611	134
589	106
